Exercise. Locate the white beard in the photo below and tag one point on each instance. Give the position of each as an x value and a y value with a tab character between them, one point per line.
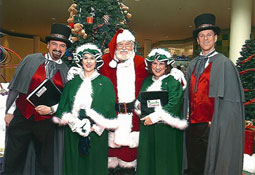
122	57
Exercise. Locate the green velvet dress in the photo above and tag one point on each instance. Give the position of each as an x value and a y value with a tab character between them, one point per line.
95	163
160	145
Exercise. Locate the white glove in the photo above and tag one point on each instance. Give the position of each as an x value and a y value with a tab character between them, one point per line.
72	72
74	123
84	127
179	76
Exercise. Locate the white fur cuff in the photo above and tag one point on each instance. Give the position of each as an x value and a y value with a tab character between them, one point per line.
122	133
111	143
170	119
101	120
134	139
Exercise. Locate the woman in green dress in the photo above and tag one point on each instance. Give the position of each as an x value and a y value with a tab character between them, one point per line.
161	132
86	105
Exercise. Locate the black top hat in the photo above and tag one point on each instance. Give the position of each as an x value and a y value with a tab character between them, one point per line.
205	22
59	32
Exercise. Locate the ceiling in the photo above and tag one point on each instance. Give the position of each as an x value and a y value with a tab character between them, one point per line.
156	20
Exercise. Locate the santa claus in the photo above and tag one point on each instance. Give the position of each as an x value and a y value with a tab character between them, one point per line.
127	72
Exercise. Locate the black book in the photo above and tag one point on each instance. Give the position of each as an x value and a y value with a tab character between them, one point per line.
151	100
47	93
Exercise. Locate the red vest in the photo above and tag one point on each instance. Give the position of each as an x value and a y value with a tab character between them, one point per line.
201	105
26	108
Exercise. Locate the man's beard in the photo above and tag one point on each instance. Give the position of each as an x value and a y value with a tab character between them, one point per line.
56	54
125	57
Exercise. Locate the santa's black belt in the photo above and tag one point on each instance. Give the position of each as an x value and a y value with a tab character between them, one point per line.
124	107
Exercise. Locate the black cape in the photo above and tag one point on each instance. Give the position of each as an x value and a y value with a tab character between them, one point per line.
226	139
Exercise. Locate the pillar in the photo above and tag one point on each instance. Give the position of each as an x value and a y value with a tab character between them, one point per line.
240	26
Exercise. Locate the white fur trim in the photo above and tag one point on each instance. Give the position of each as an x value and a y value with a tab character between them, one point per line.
154	118
88	46
179	76
83	98
111	143
248	163
98	129
156	85
134	139
126	35
64	120
122	133
113	63
170	119
126	81
125	164
56	120
101	120
112	162
137	110
159	51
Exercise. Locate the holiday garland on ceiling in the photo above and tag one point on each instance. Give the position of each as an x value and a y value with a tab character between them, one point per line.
246	68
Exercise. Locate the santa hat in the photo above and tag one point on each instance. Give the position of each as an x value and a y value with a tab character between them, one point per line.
120	35
159	54
126	35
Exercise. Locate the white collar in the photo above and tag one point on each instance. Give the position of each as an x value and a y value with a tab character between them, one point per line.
92	77
48	57
210	54
160	78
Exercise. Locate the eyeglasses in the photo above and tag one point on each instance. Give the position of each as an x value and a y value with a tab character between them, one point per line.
127	45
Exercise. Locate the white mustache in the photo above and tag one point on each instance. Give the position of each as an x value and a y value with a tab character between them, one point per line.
123	50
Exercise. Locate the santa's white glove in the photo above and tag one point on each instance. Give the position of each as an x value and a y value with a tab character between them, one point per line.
84	127
72	72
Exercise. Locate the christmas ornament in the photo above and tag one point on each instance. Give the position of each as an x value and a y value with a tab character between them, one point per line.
124	7
71	25
103	27
128	15
92	14
90	20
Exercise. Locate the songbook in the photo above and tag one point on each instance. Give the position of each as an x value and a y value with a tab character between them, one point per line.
47	93
151	100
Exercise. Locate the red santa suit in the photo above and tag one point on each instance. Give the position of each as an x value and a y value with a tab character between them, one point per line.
127	78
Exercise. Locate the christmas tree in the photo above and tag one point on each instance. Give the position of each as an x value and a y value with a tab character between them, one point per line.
96	21
246	67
